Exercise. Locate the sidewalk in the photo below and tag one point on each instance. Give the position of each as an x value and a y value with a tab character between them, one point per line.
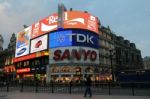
27	95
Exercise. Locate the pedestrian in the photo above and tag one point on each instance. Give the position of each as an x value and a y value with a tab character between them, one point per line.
88	84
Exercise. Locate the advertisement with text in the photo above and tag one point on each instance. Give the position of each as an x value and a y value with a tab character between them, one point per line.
39	44
74	55
23	42
73	38
72	19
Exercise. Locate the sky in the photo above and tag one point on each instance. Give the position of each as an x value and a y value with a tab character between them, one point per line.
127	18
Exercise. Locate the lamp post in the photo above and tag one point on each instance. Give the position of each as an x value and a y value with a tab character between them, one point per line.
111	65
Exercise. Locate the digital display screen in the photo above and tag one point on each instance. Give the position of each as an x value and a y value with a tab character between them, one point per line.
39	44
73	38
60	39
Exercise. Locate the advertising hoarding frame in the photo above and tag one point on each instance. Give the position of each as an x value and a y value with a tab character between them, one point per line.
74	42
23	42
40	37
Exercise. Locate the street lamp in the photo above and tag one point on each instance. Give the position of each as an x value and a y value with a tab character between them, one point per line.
111	53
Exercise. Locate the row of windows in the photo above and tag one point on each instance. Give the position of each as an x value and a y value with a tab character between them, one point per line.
32	63
106	35
106	44
104	60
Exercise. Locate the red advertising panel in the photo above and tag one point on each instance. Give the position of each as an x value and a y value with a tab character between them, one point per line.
72	19
44	26
9	69
49	23
77	19
36	30
31	56
23	70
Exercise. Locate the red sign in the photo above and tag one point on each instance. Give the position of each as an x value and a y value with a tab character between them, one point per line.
24	70
36	30
72	19
31	56
9	69
58	55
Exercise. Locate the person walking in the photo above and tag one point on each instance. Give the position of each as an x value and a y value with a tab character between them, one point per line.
88	84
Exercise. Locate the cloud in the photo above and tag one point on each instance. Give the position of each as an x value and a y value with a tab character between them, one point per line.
13	15
4	6
125	17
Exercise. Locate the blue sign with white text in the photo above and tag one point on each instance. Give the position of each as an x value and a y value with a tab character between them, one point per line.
73	38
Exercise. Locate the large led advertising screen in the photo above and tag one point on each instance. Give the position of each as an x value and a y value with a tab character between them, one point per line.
23	42
72	19
74	55
60	39
73	38
39	44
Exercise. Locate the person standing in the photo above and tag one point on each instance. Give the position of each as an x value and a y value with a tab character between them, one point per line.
88	84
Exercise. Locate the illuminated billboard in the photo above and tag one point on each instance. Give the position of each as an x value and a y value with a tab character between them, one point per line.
72	19
73	38
60	39
23	70
74	55
39	44
36	30
23	42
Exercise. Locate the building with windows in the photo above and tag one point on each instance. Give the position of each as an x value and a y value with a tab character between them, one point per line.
78	47
146	62
125	55
6	59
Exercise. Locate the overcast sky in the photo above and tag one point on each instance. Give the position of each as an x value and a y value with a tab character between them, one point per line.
127	18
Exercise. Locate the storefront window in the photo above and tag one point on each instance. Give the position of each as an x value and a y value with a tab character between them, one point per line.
66	69
89	70
55	70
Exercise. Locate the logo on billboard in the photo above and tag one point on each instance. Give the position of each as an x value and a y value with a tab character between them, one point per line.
73	38
21	51
74	53
23	42
81	38
59	38
38	44
72	19
83	55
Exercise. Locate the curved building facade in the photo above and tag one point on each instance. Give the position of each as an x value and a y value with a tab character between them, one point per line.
73	48
73	54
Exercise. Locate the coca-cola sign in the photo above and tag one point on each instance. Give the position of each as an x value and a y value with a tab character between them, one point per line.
72	19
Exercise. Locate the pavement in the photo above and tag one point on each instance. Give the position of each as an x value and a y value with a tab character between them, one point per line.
32	95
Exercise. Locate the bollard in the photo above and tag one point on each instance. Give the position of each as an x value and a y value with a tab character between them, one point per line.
132	86
36	87
109	88
21	89
52	85
7	87
70	85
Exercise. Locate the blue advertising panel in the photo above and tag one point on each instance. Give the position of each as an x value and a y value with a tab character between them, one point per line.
73	38
60	39
85	38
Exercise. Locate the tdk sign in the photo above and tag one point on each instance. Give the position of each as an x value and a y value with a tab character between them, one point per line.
73	38
82	38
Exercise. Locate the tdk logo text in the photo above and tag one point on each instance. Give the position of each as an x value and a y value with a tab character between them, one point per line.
81	38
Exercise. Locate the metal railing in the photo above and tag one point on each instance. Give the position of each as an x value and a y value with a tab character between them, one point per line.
109	88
